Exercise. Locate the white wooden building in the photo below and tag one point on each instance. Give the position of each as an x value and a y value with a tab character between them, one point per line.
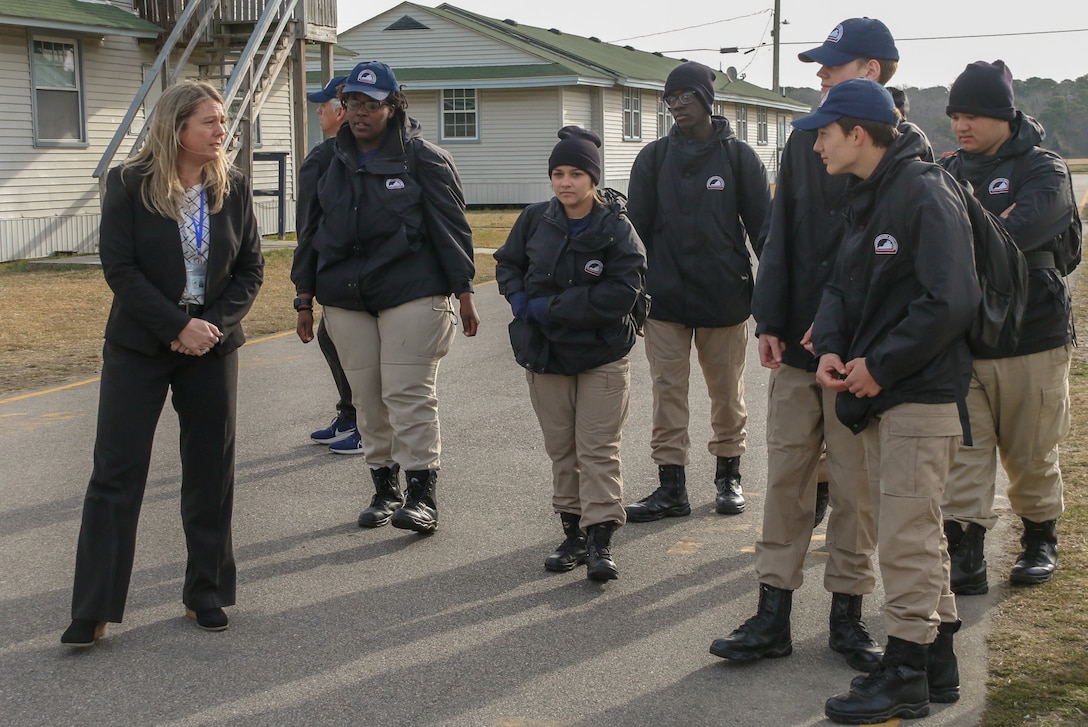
69	71
494	93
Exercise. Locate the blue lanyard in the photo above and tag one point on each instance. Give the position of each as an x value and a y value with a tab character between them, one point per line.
198	227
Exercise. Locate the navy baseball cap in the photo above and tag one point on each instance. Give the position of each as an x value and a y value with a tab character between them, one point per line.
858	98
328	93
852	39
373	78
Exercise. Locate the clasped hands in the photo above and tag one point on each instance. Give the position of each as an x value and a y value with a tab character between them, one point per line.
197	338
530	310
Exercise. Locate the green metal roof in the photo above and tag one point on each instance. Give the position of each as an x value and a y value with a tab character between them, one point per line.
466	73
76	16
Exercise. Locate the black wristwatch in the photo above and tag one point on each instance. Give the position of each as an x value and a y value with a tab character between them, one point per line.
302	304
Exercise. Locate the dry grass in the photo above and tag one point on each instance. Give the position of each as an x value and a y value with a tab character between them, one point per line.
63	340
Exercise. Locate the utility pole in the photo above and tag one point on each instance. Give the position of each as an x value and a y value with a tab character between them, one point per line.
774	34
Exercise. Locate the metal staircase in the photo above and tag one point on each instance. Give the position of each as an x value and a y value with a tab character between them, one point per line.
245	45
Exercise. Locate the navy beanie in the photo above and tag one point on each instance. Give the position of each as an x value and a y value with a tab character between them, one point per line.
577	148
983	89
695	77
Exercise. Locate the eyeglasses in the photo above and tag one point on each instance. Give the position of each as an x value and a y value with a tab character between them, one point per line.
683	98
370	105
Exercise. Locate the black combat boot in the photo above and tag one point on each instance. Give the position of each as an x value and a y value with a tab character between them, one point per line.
823	497
670	499
849	636
730	500
1040	557
572	551
420	510
599	563
387	497
942	669
896	688
767	634
966	550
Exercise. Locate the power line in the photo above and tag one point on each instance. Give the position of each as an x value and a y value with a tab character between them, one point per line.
690	27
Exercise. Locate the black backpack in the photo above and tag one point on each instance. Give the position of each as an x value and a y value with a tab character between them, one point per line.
1069	245
1002	273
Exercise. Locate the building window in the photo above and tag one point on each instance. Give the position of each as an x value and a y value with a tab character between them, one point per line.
783	134
664	119
742	122
719	109
762	130
460	108
632	114
56	78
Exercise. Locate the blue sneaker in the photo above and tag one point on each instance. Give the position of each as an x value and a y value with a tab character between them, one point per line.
339	430
351	445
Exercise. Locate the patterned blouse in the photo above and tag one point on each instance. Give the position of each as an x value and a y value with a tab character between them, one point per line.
194	229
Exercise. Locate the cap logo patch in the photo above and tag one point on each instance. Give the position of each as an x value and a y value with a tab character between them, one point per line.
835	36
595	268
885	245
715	182
394	184
367	76
999	186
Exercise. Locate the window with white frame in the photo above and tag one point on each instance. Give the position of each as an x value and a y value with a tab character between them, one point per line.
742	122
762	130
780	142
460	114
719	109
632	114
56	79
664	119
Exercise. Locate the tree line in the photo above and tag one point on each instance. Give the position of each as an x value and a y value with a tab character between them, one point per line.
1060	106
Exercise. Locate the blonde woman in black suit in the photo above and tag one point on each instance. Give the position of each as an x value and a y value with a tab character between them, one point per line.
181	253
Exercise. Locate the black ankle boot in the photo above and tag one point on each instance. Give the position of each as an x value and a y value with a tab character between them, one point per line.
730	499
849	636
1040	557
83	632
767	634
966	551
420	510
896	688
599	563
942	668
572	551
670	499
823	498
387	497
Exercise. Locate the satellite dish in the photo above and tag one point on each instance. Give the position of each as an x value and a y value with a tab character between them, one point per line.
731	73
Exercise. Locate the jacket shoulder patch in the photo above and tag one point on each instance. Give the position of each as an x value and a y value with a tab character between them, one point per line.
885	245
715	182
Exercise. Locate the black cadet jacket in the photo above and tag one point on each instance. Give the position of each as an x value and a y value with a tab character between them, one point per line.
376	235
804	228
699	273
904	290
591	280
1037	182
144	266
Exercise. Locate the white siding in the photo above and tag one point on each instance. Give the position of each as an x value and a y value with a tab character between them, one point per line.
620	154
49	202
443	45
509	164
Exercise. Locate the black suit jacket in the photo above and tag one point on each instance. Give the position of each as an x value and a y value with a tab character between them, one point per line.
143	265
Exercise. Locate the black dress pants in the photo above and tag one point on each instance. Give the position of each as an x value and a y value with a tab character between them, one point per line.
344	407
133	390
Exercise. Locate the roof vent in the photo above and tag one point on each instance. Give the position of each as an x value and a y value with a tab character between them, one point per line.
595	39
629	47
557	31
508	21
659	54
407	22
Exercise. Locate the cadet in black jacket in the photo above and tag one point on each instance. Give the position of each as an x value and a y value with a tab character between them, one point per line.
890	335
383	242
1018	403
572	269
805	226
694	196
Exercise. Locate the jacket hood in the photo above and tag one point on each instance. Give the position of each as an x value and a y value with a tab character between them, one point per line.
722	131
1027	133
909	145
392	148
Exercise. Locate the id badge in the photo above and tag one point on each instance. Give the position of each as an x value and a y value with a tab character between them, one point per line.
196	274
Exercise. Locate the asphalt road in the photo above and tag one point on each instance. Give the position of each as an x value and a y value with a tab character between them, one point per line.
339	626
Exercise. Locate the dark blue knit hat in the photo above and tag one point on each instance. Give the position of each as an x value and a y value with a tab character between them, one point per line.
578	148
983	89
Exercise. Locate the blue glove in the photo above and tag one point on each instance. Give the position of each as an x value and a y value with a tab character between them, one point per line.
537	310
518	302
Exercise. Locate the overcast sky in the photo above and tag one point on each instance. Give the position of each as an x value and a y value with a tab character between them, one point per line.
1027	42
